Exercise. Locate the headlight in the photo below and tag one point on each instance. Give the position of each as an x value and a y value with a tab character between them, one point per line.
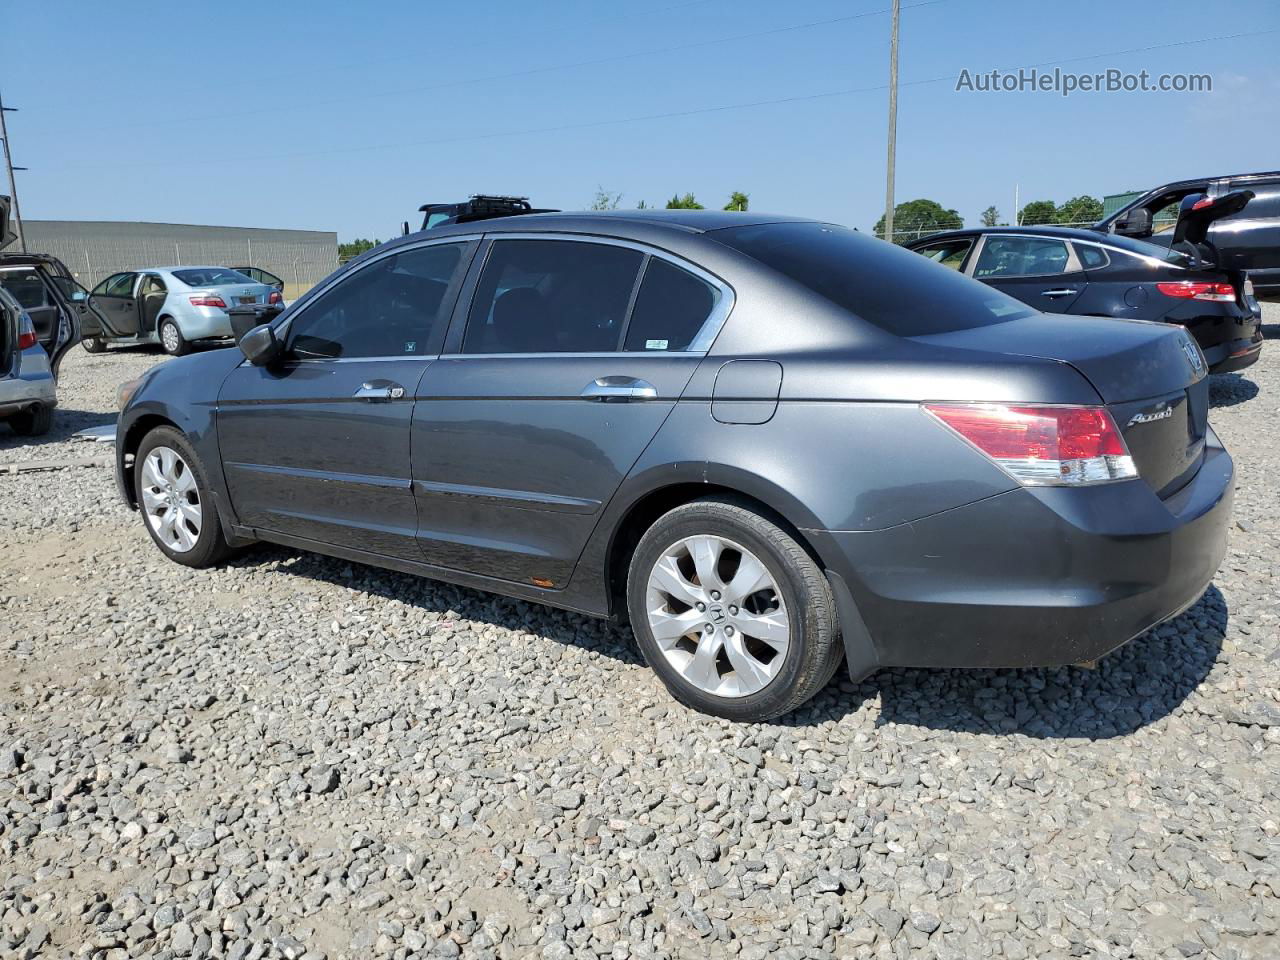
125	392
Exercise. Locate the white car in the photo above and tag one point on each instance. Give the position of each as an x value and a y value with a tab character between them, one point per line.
172	306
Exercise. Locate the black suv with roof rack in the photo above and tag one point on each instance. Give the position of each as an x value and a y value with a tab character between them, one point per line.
479	207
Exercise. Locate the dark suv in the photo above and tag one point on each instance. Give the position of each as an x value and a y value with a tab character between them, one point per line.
1247	239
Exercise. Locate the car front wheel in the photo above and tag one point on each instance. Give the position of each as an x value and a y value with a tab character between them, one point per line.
731	612
175	502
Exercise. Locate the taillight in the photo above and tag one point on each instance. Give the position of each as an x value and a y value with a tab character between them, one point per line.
207	300
1198	290
1043	446
26	331
274	297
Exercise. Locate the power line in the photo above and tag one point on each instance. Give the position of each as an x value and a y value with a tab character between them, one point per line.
673	114
364	96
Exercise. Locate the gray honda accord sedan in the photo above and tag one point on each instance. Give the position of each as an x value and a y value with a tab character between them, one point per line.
768	443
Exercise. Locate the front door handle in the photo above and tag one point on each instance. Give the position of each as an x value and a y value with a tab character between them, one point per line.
1060	292
619	390
379	390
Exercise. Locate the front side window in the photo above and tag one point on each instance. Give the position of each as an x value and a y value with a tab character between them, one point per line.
551	296
392	307
116	285
949	253
1021	257
670	309
25	287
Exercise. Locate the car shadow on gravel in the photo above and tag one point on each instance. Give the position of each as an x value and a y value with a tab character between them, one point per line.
1136	685
1142	682
1228	389
65	423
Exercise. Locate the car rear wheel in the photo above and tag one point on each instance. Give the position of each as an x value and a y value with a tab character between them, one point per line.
733	615
171	338
175	502
33	422
93	344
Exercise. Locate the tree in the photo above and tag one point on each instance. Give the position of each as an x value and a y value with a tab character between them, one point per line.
642	205
915	218
605	200
737	201
1081	209
1037	212
687	202
353	248
991	217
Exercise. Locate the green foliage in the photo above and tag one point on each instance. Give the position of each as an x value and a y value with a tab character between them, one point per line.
1038	212
915	218
642	205
737	201
605	200
1082	209
353	248
991	217
687	202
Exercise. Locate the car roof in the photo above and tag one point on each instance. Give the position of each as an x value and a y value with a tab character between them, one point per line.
613	222
1047	230
1175	184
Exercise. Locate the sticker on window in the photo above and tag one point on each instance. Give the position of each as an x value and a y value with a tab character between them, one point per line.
655	344
410	346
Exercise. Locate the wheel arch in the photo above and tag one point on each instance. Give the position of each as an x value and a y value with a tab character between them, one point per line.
129	445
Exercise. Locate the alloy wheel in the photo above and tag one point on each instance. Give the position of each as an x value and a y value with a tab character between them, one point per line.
169	337
171	499
717	614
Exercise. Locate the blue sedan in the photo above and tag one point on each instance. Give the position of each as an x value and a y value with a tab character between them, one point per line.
172	306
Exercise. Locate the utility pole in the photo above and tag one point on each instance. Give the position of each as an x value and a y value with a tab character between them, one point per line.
13	185
893	123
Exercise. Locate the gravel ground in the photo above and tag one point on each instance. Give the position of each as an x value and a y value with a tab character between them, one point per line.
298	757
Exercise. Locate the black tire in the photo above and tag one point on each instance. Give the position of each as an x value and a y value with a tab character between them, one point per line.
33	422
211	546
814	650
93	344
177	345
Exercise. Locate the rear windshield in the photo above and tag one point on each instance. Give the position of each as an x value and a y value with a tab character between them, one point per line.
211	276
895	289
1147	249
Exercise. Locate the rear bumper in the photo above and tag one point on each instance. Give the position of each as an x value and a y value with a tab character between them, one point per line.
205	323
1035	576
29	382
1236	355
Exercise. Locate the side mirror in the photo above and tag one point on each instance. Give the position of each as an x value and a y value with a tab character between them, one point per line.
260	345
1136	223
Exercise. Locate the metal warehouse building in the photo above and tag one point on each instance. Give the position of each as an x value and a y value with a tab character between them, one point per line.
93	249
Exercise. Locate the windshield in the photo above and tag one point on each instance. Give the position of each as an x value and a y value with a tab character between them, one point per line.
211	276
893	288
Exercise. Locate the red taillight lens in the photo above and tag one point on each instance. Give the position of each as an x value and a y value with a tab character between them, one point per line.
275	297
1039	446
26	331
1196	290
207	300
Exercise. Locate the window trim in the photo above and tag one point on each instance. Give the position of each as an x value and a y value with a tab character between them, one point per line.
1073	262
285	323
699	346
1106	256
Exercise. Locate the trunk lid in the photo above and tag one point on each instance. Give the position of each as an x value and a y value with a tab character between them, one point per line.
1151	376
235	294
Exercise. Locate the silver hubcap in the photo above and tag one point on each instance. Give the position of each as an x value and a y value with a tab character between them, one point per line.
171	499
169	334
717	615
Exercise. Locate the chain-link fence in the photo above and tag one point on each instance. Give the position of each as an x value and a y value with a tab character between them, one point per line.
95	250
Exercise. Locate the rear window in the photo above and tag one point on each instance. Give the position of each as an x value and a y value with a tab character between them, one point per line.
211	276
895	289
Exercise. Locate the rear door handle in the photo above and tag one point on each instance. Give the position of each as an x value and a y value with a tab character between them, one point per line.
619	390
1060	292
379	390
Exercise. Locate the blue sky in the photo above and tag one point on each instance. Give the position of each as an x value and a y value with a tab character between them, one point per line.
348	116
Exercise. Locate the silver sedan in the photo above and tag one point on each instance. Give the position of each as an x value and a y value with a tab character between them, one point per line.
172	306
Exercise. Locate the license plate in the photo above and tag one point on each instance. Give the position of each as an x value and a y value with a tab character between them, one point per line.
248	299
